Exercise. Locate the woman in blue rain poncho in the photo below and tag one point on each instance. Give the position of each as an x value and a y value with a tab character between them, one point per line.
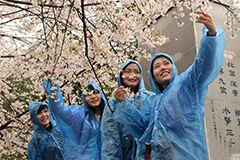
46	142
80	124
117	143
173	126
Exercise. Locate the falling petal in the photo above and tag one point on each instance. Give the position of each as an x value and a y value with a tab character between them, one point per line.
233	36
180	24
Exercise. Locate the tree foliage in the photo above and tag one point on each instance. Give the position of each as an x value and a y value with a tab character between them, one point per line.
78	42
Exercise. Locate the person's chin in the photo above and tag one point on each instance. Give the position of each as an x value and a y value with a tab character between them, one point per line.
95	105
45	124
132	85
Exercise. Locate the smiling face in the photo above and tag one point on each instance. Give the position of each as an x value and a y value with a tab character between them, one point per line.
44	117
162	71
93	100
131	76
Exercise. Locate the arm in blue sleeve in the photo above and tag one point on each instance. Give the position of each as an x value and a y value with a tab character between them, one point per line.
134	120
33	151
111	143
211	53
69	115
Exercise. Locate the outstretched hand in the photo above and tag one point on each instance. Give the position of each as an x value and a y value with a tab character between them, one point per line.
119	93
47	72
207	20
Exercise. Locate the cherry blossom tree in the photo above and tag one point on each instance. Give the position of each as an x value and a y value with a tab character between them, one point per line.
77	41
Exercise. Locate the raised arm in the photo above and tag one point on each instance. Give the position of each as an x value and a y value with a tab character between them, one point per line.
69	115
209	58
208	22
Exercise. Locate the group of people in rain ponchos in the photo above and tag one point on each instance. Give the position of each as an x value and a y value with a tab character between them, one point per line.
167	124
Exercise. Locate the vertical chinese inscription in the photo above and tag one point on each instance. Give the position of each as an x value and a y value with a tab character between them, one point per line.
222	119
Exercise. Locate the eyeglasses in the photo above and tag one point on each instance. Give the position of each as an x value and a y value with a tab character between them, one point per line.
130	74
90	92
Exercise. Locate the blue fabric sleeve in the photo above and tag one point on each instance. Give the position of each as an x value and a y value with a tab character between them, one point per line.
207	64
135	121
208	60
211	50
69	115
33	151
111	142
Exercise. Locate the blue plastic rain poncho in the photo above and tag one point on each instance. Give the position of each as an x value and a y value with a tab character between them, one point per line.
82	138
117	143
43	144
174	123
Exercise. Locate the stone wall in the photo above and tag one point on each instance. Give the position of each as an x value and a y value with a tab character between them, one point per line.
222	121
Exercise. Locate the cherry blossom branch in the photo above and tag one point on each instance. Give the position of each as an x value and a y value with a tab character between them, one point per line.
19	146
40	16
16	38
14	19
80	16
11	13
16	6
11	56
63	40
43	23
10	121
227	7
46	5
86	52
5	125
7	101
108	17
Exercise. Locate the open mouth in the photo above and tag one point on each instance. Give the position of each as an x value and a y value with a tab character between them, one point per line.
45	120
132	80
94	101
164	73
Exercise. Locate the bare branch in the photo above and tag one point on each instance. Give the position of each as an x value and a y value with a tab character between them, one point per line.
12	56
227	8
10	121
46	5
63	40
86	52
17	38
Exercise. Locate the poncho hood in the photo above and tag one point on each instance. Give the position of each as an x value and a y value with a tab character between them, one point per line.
153	82
141	82
33	108
95	86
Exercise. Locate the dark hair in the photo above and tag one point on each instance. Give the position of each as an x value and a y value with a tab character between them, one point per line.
121	73
42	106
101	105
160	56
92	110
159	86
90	88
